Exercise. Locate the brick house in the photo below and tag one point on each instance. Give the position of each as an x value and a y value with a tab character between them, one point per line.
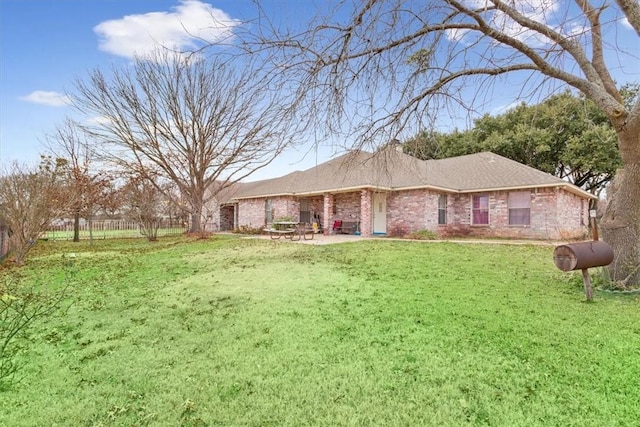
391	193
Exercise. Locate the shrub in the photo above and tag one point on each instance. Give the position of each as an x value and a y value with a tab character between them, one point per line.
451	230
398	231
423	235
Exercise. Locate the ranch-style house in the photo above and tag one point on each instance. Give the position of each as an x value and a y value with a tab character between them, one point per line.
391	193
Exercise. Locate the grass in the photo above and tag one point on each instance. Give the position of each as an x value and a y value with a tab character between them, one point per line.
253	332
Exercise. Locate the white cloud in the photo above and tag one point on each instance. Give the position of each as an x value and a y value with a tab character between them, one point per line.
626	23
181	29
54	99
457	34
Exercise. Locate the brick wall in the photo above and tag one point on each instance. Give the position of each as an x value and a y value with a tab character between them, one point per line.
327	211
573	216
341	206
458	215
555	213
412	210
251	213
366	199
285	207
347	206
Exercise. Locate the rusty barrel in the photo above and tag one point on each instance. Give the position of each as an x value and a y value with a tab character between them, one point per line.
578	256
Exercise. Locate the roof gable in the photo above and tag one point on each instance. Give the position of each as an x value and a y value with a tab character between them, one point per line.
390	169
487	170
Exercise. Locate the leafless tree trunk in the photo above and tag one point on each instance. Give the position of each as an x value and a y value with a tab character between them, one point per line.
394	66
201	124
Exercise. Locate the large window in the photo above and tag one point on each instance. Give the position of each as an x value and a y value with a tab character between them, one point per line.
268	211
442	209
519	208
481	210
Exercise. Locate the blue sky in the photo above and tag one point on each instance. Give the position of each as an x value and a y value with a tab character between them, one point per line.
46	44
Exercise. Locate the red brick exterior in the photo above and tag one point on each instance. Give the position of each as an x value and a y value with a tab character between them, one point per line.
327	222
347	206
366	213
251	213
411	210
554	213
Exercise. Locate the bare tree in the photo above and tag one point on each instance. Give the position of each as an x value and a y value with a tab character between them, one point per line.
191	121
30	198
396	64
145	201
90	187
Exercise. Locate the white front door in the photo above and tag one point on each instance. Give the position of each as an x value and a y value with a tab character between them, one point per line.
379	213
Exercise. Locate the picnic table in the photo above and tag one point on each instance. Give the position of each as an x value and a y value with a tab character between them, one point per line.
290	230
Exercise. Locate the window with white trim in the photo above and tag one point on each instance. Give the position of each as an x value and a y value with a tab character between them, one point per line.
305	211
519	208
268	211
480	210
442	209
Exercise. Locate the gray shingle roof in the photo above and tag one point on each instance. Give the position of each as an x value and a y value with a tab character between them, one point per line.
390	169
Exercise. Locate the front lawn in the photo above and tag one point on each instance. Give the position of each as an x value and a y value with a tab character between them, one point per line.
235	331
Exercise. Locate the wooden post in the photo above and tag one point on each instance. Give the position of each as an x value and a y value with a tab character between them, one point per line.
585	274
588	291
594	224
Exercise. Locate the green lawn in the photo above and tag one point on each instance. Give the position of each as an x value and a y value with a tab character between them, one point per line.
237	332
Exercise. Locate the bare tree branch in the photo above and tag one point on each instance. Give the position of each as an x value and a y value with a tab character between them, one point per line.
349	73
200	124
631	9
89	188
30	198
